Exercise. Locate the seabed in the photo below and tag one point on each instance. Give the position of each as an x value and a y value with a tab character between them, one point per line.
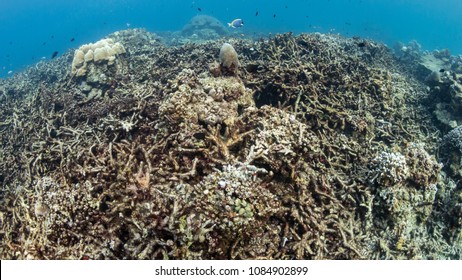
308	147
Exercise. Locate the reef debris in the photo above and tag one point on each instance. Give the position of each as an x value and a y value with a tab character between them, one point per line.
318	148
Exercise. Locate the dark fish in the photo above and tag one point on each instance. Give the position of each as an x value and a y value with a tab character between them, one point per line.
44	43
361	44
442	70
199	9
72	39
347	23
274	15
256	14
54	54
286	7
52	36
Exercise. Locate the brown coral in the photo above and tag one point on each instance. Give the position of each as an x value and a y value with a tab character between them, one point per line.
173	162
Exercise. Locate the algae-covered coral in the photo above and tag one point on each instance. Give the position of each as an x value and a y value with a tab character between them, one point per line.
319	147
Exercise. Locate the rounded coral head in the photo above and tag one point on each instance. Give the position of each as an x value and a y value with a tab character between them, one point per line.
229	61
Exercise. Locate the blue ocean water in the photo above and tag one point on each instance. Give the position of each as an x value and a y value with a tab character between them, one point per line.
31	30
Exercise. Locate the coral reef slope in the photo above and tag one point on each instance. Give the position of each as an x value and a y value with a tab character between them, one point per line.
319	147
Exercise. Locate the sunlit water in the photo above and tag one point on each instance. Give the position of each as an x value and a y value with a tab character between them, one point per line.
32	30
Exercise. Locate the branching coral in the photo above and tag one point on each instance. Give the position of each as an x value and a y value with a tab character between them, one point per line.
304	154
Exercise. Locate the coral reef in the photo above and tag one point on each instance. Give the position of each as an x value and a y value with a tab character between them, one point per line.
442	73
389	168
204	27
319	147
104	51
451	151
229	62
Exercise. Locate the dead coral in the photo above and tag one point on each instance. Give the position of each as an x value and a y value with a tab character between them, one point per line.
229	61
208	100
170	161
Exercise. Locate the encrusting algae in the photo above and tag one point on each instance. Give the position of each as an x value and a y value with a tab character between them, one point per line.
309	147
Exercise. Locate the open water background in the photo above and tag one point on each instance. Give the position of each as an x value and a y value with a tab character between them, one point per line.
32	30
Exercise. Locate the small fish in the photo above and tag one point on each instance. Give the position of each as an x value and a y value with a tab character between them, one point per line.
54	54
236	23
72	39
256	14
274	15
199	9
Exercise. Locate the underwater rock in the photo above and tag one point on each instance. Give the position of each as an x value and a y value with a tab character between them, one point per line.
443	54
446	96
434	78
451	148
204	27
441	72
229	61
408	52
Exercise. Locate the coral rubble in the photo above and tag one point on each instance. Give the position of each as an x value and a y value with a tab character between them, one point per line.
319	147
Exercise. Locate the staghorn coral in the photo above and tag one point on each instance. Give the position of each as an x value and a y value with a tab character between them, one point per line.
175	162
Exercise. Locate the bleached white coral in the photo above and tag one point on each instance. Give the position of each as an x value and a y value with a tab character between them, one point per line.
389	168
105	50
